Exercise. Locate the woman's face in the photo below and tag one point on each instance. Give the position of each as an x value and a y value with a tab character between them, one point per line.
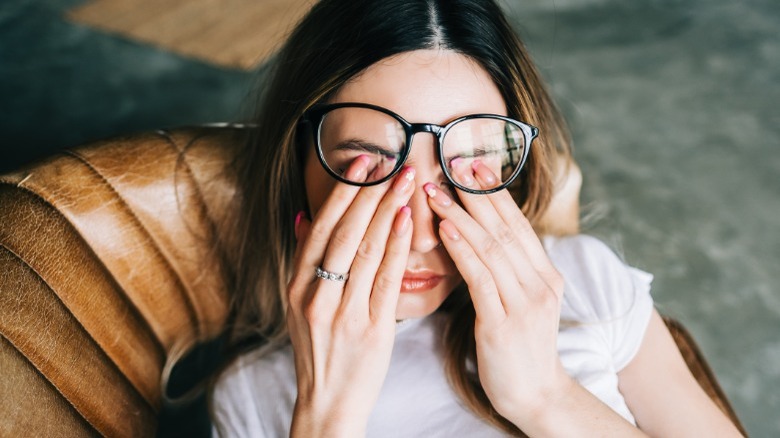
424	86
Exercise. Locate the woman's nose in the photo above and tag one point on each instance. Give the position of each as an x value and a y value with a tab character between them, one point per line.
425	231
424	159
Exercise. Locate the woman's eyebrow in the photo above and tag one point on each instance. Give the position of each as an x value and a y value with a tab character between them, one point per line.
477	151
355	144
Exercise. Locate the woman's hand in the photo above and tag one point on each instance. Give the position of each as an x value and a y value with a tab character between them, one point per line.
516	293
342	332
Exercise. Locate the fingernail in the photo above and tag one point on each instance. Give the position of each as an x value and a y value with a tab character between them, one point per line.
404	180
466	179
298	218
461	172
483	172
449	230
437	195
402	221
357	170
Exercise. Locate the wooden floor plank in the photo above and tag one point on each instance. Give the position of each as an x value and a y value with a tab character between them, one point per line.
230	33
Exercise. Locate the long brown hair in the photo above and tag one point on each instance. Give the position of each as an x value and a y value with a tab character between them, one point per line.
334	42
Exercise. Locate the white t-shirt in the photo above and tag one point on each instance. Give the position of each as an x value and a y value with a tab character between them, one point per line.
611	301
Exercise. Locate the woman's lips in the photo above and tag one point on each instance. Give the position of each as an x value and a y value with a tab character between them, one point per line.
420	282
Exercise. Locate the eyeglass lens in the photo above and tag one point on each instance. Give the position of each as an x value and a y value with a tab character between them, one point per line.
346	133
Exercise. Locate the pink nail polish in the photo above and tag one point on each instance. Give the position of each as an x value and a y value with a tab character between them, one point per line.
404	180
483	172
357	170
402	220
430	189
466	179
437	195
298	218
449	230
461	172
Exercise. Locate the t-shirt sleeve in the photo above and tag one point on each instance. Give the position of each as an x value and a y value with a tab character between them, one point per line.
628	331
234	411
603	291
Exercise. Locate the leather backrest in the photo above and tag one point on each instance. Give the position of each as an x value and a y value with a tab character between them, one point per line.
108	264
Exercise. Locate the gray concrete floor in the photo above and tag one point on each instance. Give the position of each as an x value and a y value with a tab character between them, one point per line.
674	108
673	105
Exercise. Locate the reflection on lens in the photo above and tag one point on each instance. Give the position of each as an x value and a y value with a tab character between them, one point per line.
497	144
347	133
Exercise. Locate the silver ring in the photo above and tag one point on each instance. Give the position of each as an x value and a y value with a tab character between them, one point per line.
332	276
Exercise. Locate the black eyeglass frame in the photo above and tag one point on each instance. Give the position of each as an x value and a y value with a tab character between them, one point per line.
316	114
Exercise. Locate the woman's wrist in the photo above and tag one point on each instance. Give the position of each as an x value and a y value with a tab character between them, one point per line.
545	402
550	403
566	409
319	420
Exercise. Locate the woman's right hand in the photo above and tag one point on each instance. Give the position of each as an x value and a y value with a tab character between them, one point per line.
342	333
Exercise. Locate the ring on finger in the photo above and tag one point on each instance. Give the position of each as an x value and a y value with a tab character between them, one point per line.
332	276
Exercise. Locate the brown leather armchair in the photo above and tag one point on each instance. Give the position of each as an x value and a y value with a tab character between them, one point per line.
109	265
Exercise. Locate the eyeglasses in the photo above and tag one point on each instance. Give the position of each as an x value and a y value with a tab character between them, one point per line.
345	131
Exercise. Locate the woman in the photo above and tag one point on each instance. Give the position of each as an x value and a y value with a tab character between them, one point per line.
415	146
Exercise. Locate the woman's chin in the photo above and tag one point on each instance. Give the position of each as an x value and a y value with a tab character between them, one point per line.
420	304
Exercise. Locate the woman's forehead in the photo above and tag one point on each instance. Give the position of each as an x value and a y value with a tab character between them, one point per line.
432	86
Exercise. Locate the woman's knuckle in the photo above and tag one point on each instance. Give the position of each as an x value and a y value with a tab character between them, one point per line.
555	281
368	249
348	325
505	235
343	196
546	300
343	236
372	335
523	225
484	282
384	282
313	316
494	337
491	247
294	293
319	232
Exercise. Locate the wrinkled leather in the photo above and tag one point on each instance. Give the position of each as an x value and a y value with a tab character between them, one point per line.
41	328
37	409
82	285
109	263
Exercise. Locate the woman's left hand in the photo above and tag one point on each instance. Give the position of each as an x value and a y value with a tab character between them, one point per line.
516	293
